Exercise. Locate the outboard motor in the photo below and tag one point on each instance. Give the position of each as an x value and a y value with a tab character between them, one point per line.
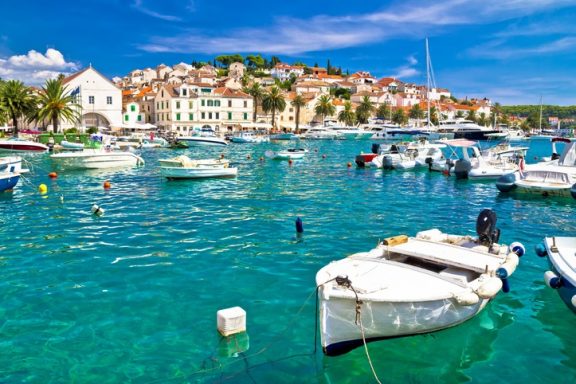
555	156
375	147
428	161
486	229
461	169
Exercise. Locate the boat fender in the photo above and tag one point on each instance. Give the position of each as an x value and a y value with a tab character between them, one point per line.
573	301
395	240
573	191
97	210
467	298
509	264
299	225
518	248
541	250
553	280
489	288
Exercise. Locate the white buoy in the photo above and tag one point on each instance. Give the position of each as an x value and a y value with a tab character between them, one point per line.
97	210
231	321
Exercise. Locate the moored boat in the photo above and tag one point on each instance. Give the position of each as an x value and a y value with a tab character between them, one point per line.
96	159
204	137
14	144
412	285
195	169
561	254
10	171
287	154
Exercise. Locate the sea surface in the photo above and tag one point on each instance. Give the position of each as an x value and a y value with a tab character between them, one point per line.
132	296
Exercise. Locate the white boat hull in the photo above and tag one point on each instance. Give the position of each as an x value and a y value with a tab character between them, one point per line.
96	159
197	172
203	140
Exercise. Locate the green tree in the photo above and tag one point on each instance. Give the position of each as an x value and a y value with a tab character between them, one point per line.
274	60
482	119
459	114
298	103
56	103
17	100
399	117
434	115
324	107
254	61
257	93
341	93
273	101
347	115
416	113
364	110
471	115
383	111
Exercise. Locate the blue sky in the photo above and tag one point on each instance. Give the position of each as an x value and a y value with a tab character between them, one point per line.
511	51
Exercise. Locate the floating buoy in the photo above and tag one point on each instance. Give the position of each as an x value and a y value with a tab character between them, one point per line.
106	185
323	156
299	225
446	172
290	161
221	155
248	157
349	164
52	175
62	199
518	248
42	188
316	150
97	210
261	158
231	321
541	250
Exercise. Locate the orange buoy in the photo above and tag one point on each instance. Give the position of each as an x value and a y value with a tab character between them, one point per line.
221	155
290	161
446	172
261	158
106	185
52	175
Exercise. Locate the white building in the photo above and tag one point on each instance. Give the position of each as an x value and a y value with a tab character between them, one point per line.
99	98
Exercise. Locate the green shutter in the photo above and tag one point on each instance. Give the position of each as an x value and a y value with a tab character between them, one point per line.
178	116
191	116
229	115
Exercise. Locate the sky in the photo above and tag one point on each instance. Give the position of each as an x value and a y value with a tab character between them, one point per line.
510	51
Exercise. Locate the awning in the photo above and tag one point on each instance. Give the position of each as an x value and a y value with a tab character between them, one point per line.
144	127
256	125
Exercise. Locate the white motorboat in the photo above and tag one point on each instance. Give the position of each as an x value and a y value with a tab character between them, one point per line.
185	161
561	253
96	159
196	169
10	171
15	144
204	137
71	145
553	178
417	154
412	285
467	161
466	129
249	137
287	154
320	133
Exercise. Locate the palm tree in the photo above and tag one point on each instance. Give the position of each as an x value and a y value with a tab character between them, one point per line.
298	103
347	115
364	110
257	93
416	113
55	103
471	115
17	100
273	101
324	107
383	111
399	117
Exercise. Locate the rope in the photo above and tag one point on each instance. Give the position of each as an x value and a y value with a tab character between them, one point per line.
345	282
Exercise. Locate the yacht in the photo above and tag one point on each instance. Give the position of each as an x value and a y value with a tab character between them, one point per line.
466	129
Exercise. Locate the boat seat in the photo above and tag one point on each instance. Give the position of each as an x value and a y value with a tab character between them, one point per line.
448	254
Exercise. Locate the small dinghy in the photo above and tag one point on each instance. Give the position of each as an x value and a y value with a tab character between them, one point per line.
287	154
412	285
561	253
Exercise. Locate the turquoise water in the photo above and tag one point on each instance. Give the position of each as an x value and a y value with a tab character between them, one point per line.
132	296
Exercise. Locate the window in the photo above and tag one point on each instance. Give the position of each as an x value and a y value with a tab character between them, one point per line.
245	104
90	99
139	118
162	93
177	105
191	116
230	103
158	116
217	103
178	116
190	105
157	105
245	116
203	102
109	100
210	103
125	117
217	115
203	115
291	110
229	115
132	108
210	116
184	91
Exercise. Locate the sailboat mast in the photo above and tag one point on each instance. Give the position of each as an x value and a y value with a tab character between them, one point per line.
428	81
540	120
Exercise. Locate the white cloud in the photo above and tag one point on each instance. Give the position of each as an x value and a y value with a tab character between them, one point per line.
408	70
141	8
34	67
292	36
497	49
